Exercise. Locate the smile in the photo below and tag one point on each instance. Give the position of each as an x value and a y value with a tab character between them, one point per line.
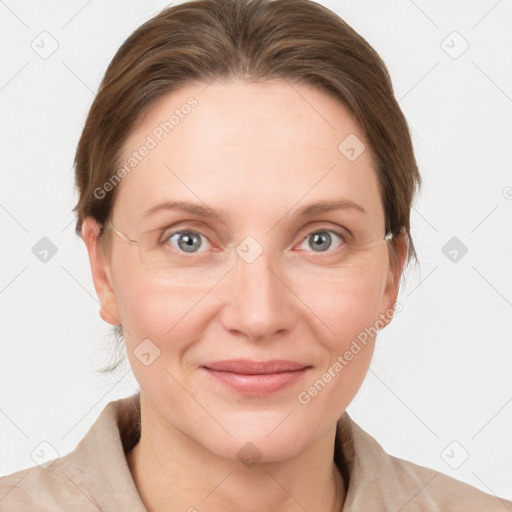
256	377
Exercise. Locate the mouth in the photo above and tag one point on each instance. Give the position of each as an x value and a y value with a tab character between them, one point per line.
256	377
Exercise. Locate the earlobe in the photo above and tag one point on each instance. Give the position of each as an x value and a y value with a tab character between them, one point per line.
101	274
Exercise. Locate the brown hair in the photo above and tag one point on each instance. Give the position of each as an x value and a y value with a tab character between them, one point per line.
295	40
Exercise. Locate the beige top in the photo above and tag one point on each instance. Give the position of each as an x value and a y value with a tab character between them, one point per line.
96	476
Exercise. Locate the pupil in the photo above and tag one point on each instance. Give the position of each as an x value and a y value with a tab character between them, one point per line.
322	237
187	242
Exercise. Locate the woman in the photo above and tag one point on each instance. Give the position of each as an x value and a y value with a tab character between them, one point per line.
246	178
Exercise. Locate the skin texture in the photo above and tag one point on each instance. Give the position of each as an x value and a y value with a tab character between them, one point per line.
258	151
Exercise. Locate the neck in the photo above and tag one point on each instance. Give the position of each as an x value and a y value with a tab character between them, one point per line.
172	472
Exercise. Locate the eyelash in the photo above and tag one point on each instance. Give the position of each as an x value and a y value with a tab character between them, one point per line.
343	237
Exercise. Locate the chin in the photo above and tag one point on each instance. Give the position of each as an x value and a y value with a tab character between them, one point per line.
258	437
250	450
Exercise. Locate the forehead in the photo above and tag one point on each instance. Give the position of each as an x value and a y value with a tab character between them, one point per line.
247	143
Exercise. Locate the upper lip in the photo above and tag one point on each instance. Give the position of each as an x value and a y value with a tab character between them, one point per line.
248	367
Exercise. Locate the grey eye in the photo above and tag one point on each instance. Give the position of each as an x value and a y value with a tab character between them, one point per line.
320	241
188	241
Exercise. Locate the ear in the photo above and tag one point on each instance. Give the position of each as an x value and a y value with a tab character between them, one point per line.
396	265
101	274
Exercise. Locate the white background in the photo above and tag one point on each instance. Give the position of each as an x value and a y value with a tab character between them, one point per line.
442	369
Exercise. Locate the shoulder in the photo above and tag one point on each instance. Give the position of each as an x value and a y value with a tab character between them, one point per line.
13	497
428	489
379	479
94	476
42	490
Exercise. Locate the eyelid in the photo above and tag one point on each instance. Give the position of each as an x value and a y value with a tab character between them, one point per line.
179	227
313	227
169	232
338	233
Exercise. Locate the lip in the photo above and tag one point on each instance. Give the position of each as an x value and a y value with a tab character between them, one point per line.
256	377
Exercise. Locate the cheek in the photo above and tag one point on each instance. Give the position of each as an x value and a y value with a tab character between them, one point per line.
348	309
150	310
345	303
165	316
348	305
171	316
342	303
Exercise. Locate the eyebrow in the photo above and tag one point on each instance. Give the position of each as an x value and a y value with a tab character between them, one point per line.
205	211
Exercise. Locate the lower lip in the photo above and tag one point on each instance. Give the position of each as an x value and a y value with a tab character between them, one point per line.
261	384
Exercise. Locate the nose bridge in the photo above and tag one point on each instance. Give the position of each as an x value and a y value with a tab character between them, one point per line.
260	303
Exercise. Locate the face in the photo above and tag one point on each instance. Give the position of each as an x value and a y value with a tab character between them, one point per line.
259	282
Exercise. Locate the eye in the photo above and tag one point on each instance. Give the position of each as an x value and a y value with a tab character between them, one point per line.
321	240
186	241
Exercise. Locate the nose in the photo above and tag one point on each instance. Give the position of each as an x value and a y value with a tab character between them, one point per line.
260	303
